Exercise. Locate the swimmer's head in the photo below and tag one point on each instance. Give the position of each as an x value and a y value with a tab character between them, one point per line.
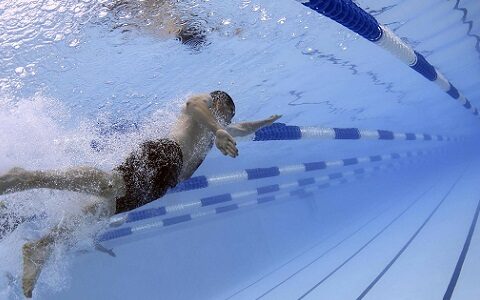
223	106
192	34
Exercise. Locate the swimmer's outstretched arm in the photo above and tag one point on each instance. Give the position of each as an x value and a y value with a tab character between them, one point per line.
246	128
197	108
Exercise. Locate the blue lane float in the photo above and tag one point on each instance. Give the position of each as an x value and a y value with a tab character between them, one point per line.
262	191
350	15
281	131
201	182
196	204
301	192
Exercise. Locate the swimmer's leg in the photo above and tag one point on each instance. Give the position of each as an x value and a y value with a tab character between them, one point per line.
37	253
83	179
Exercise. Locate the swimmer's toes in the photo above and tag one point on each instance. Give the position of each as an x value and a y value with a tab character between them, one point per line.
27	291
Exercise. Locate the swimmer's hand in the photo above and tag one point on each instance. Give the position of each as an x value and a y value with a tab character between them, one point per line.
247	128
271	119
225	143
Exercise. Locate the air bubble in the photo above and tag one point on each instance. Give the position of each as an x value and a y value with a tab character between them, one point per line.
58	37
103	14
74	43
50	5
19	70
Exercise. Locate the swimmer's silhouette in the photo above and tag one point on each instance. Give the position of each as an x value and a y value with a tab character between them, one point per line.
162	19
145	175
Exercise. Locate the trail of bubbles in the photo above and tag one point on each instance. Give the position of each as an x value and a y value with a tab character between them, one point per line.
40	134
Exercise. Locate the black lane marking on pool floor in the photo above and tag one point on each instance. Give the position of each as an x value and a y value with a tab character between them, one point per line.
321	255
327	251
366	244
389	265
463	255
309	249
313	247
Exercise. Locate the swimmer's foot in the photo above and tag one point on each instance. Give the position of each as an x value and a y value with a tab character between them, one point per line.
35	255
99	247
13	180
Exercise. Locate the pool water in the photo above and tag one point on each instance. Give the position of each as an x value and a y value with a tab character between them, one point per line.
83	82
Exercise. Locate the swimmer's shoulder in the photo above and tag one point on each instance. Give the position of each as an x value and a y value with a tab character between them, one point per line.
203	97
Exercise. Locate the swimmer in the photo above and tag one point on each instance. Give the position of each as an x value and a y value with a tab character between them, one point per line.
145	175
162	19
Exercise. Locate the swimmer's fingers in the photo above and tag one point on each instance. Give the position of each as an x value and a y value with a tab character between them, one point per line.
221	147
273	118
226	143
270	120
224	152
231	140
235	151
232	150
230	147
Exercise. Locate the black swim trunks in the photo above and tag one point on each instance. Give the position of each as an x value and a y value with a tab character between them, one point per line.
149	172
